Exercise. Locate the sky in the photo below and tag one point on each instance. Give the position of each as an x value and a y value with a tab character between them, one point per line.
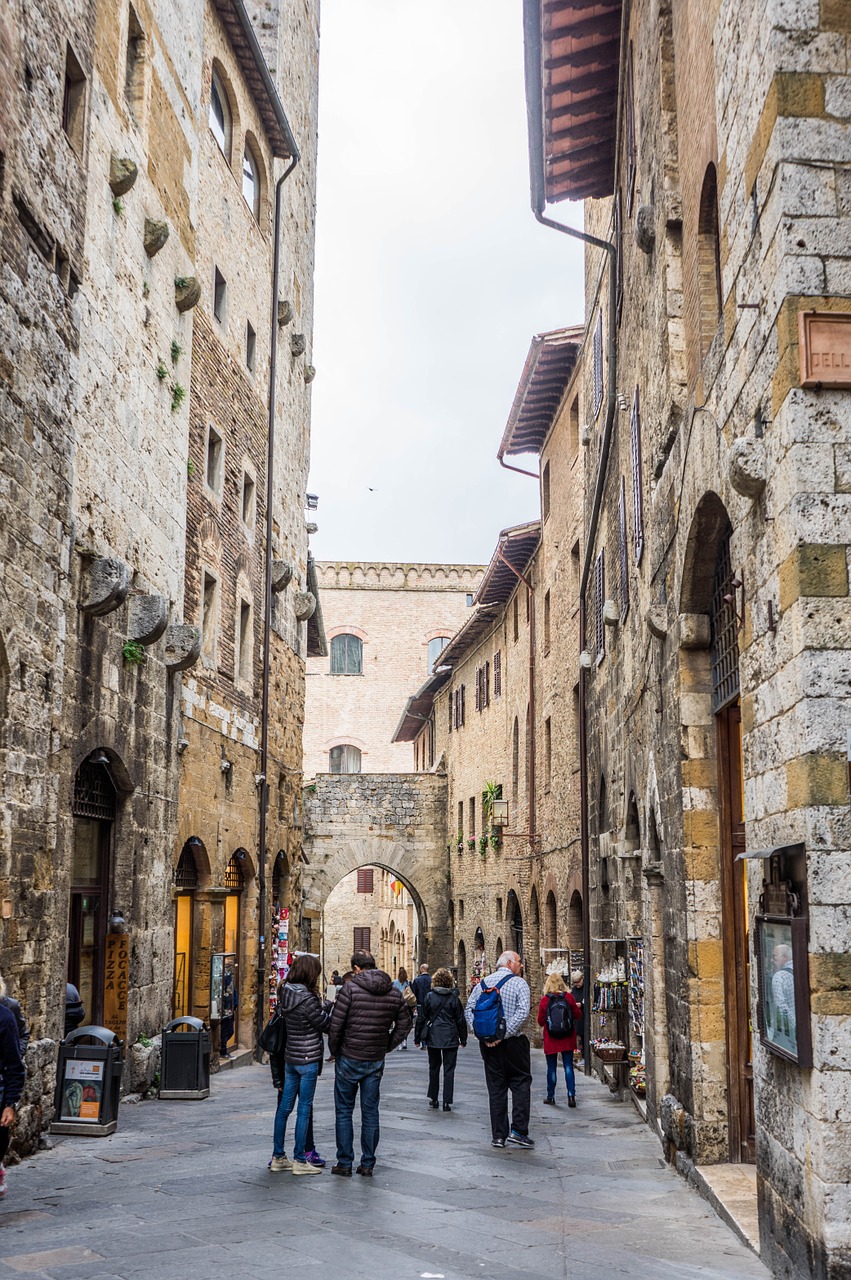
432	277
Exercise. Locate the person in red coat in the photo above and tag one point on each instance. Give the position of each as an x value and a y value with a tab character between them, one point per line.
556	1009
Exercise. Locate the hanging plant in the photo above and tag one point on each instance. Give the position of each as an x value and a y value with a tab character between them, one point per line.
495	839
483	844
471	844
459	844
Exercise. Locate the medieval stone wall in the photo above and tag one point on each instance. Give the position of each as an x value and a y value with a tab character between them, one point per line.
390	916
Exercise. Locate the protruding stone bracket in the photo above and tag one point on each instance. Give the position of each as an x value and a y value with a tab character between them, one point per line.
747	463
657	621
187	293
611	613
105	586
645	228
285	312
147	618
694	631
123	173
182	646
156	234
309	373
298	344
282	575
305	605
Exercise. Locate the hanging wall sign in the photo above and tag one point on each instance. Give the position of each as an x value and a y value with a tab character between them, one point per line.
116	981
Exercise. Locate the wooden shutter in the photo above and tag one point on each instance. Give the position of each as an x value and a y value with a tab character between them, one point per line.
365	879
361	939
497	673
462	715
478	688
599	600
486	684
598	363
637	488
624	551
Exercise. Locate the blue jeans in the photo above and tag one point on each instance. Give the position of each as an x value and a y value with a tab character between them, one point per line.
299	1082
349	1076
552	1067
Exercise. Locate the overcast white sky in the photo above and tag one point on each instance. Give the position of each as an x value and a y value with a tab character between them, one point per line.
432	277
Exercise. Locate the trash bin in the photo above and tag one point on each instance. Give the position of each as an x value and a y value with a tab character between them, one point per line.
88	1083
185	1062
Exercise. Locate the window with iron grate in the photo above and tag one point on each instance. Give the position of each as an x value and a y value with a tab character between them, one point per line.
637	487
234	879
624	551
599	600
724	633
597	364
186	872
94	794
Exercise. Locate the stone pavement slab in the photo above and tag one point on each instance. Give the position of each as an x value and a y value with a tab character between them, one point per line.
182	1190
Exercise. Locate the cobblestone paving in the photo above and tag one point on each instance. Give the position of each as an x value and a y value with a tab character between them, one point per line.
182	1190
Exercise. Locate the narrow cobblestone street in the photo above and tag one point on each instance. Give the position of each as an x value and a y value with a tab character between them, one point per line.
182	1190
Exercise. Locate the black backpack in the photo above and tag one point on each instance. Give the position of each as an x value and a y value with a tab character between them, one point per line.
273	1037
559	1017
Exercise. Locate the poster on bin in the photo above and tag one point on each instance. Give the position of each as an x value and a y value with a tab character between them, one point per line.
82	1089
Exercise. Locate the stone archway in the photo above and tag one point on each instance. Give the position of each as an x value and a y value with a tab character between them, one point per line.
393	821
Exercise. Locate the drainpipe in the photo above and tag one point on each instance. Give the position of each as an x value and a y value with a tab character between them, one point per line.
263	781
532	737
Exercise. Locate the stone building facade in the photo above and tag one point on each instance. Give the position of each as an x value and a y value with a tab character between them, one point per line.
385	624
108	207
714	417
370	908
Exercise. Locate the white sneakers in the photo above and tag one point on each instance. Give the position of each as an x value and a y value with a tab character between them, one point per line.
279	1164
301	1166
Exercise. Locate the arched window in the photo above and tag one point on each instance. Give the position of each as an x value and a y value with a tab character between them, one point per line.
344	759
574	921
632	833
346	656
435	649
251	182
708	260
220	115
550	922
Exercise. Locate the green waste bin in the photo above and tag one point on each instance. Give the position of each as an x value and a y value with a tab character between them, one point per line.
185	1062
88	1083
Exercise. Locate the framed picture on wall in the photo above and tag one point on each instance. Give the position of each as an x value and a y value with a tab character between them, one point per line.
783	1006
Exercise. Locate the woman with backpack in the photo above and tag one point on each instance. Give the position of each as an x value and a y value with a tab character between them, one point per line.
441	1027
306	1018
402	984
559	1015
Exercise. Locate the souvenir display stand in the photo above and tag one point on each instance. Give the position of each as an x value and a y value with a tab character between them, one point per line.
637	1070
281	957
610	1010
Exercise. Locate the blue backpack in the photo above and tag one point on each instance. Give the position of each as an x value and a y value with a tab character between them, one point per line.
488	1015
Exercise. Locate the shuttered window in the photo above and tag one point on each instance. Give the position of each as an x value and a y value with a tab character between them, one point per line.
599	600
598	363
346	656
624	552
497	674
630	139
486	683
366	879
637	488
362	939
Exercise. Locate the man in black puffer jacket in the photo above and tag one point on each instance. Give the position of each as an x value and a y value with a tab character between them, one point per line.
369	1019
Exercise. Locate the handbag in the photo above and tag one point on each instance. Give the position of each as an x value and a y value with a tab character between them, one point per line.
409	996
273	1037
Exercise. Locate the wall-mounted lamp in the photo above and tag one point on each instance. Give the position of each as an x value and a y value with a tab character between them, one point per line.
182	744
311	501
117	923
99	757
499	813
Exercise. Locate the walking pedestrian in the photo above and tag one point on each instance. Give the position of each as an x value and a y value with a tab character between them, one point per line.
369	1019
17	1013
12	1075
306	1018
496	1013
559	1015
441	1027
421	984
402	984
577	990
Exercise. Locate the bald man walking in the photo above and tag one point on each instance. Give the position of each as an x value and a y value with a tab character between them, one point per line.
505	1052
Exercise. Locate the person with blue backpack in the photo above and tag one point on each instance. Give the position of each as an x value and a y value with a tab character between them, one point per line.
496	1013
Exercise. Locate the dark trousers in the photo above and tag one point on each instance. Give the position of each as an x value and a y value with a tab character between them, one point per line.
508	1067
448	1057
350	1076
5	1135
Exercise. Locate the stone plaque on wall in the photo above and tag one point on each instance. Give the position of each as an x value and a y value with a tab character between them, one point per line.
115	982
825	348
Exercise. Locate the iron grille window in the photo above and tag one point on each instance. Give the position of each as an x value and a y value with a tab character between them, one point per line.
94	794
497	674
362	939
366	880
631	146
346	656
599	599
618	233
186	872
624	551
724	640
598	363
234	879
637	488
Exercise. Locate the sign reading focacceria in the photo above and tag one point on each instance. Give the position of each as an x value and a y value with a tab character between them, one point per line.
116	981
825	348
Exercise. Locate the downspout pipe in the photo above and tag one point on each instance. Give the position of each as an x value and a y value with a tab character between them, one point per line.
263	779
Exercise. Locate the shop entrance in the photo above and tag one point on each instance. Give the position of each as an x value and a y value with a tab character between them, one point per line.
185	883
234	883
94	809
724	653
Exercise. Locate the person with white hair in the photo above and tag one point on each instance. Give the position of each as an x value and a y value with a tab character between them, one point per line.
496	1013
12	1075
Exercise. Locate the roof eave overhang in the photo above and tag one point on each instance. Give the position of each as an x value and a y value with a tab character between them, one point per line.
546	375
243	39
516	546
419	706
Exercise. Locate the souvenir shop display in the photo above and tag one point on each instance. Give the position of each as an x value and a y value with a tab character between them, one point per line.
281	957
637	1075
609	1050
635	961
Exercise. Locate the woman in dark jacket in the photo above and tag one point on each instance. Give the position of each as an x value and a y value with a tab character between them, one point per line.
11	1082
441	1027
306	1018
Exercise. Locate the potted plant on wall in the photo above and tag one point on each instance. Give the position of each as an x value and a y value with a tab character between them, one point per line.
459	844
492	791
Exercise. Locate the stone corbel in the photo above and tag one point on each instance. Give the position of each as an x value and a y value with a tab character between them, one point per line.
106	585
645	228
298	344
156	234
747	465
305	605
123	172
694	631
285	312
182	646
657	621
282	575
147	618
187	293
